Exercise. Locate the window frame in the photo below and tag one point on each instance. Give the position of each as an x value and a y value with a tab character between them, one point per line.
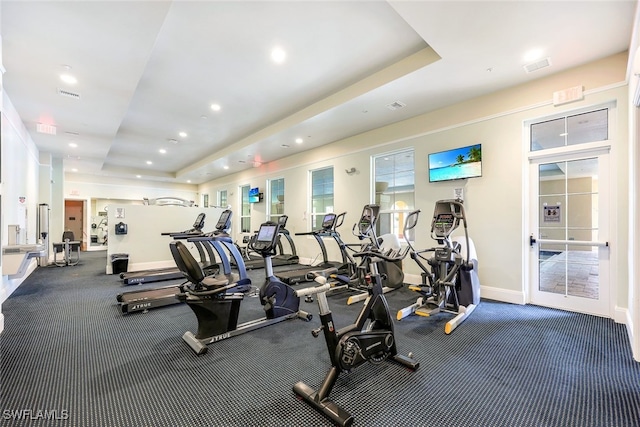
223	198
271	216
313	216
396	215
243	202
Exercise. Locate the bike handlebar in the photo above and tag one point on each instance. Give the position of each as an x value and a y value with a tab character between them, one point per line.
314	289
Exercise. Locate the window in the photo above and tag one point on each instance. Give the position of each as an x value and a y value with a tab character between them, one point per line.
321	195
245	211
394	190
222	199
276	194
591	126
205	200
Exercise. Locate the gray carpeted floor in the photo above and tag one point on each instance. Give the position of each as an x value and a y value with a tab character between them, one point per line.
67	350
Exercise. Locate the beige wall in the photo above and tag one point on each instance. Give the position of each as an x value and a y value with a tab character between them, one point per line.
496	204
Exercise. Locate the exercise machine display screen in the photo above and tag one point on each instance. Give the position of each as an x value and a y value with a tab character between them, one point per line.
199	223
224	222
266	233
368	218
443	224
282	221
328	221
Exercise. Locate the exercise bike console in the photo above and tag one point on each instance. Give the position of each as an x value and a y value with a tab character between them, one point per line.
267	238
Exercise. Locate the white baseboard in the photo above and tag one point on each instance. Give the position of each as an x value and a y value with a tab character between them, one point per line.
141	266
623	315
497	294
504	295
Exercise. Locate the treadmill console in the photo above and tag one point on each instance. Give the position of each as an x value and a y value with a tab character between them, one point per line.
328	221
224	222
199	223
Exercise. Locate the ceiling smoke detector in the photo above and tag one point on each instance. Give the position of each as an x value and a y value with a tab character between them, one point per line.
535	66
396	105
68	93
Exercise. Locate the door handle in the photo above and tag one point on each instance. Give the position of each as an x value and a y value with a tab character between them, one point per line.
532	240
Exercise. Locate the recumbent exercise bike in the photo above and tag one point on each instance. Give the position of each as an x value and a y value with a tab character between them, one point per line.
217	307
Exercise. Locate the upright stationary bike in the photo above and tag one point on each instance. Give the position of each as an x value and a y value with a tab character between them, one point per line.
370	339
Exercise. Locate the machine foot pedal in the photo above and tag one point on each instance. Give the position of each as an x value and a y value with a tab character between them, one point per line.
427	311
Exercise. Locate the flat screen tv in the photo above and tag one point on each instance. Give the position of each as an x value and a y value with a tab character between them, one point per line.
457	163
254	195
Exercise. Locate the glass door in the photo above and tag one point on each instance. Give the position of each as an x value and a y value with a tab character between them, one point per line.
569	251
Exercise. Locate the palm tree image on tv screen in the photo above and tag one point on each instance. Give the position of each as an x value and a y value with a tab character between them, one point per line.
458	163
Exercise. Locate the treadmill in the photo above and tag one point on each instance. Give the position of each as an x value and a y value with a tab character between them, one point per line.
168	273
281	258
144	300
330	223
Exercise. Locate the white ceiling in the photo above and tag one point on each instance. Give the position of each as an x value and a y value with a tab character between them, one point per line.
147	70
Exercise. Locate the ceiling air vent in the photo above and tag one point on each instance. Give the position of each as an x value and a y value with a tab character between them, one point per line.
396	105
68	94
535	66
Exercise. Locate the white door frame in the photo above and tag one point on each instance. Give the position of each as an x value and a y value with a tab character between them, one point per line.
600	150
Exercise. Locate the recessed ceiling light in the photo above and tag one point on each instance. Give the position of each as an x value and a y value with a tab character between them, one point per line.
149	162
532	55
189	181
68	79
73	145
215	107
162	151
74	170
225	167
278	55
183	134
138	176
298	140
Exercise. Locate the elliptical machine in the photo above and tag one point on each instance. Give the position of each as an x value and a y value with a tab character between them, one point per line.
370	339
216	307
391	272
450	282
